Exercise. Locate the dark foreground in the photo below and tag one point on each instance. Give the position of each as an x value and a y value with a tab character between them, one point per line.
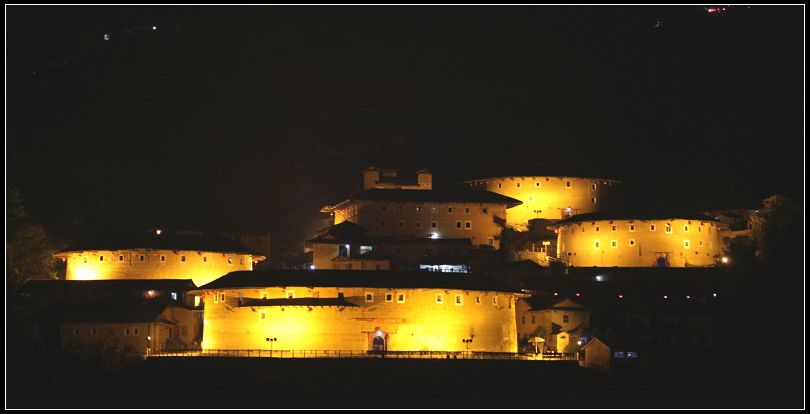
377	383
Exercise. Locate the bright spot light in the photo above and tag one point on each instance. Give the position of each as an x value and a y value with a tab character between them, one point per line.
154	28
621	296
714	294
666	297
555	293
148	338
379	333
158	231
579	342
724	259
577	294
434	236
688	297
106	36
312	267
598	278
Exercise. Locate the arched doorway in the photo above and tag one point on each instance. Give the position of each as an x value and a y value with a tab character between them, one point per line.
379	340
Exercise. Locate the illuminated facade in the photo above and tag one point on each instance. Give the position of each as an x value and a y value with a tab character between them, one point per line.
359	311
598	240
546	197
156	256
560	322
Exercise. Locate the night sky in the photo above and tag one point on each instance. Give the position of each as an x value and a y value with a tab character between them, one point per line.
252	118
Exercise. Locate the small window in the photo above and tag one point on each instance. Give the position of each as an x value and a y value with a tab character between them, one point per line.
632	227
174	295
418	209
668	228
499	185
136	331
495	300
533	319
686	244
162	258
439	298
389	297
400	298
182	258
290	294
262	315
126	331
382	224
418	224
120	258
101	258
568	184
491	241
459	300
484	210
685	228
141	258
399	209
593	187
614	243
478	300
222	297
613	227
468	224
434	209
205	259
369	297
401	224
450	210
537	184
565	318
593	200
596	244
652	227
382	208
466	210
700	242
230	260
632	242
75	331
458	224
93	331
434	224
597	229
85	259
216	298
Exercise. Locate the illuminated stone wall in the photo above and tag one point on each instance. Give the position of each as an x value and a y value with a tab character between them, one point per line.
546	197
412	323
633	243
201	267
417	219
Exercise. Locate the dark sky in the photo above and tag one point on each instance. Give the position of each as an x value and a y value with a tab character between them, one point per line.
254	117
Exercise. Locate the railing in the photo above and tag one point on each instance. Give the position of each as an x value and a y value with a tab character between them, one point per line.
264	353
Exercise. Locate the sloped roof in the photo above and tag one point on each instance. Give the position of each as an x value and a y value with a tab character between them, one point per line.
538	303
358	278
194	242
145	312
458	194
634	215
123	285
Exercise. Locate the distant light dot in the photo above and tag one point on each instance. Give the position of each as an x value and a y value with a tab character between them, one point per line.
106	36
154	27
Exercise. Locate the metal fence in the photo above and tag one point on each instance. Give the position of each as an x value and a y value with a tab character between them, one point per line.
264	353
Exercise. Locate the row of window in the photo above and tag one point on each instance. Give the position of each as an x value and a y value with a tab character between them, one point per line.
632	228
163	258
632	242
435	209
568	184
523	319
467	224
126	331
389	297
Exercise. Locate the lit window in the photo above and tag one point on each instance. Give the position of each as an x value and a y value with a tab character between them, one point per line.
468	224
290	294
418	209
459	300
632	242
439	298
174	295
434	209
389	297
369	297
614	243
401	298
458	224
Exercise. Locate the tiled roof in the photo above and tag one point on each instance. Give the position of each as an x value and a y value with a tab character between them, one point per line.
161	242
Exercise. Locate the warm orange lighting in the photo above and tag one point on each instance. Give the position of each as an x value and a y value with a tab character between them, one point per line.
158	231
